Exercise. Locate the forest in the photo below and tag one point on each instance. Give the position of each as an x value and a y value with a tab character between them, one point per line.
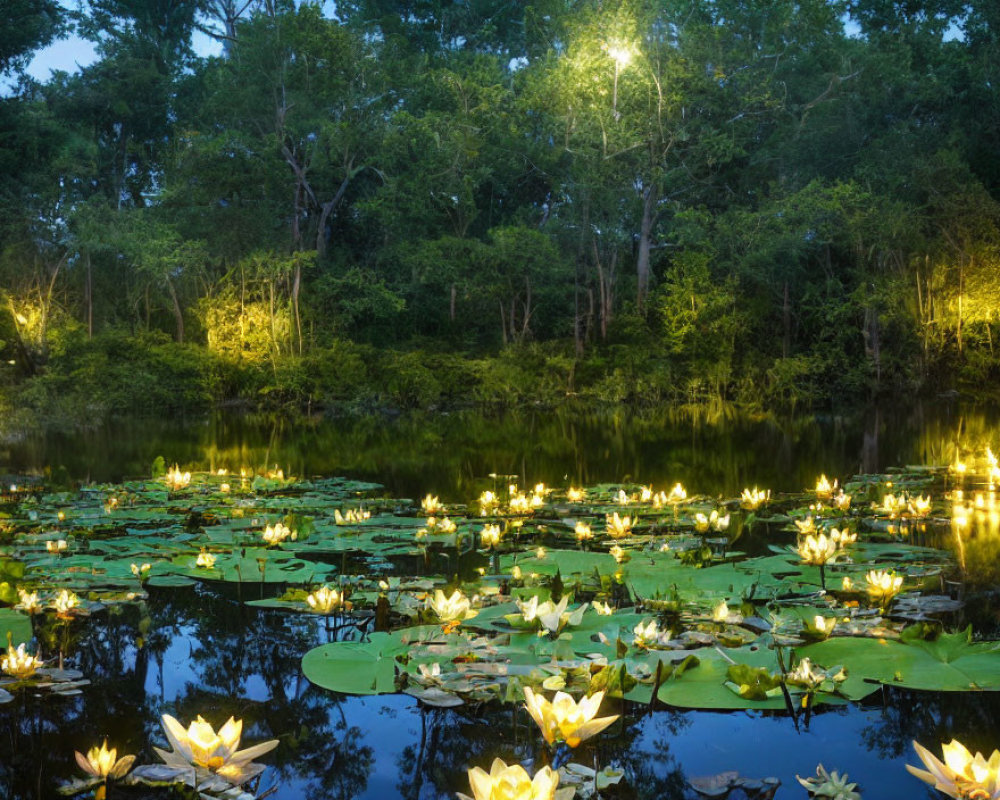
392	204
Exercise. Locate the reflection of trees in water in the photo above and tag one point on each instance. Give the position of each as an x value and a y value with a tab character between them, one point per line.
452	741
933	718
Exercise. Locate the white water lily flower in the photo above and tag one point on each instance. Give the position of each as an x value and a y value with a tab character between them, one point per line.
565	719
962	775
202	747
512	782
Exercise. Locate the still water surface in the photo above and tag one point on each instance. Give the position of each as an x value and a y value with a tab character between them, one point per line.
201	652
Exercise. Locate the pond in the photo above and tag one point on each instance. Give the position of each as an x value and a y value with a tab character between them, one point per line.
188	643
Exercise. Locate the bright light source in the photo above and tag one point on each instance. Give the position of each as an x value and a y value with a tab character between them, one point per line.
621	55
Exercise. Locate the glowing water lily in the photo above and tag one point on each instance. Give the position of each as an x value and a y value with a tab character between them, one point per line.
713	521
842	502
830	784
515	573
549	616
824	488
621	498
28	601
807	525
453	608
646	494
583	531
882	585
176	479
201	746
892	505
619	554
959	467
920	506
811	677
603	609
843	537
650	635
205	560
575	495
325	600
512	782
564	719
55	546
141	570
541	553
351	515
100	762
817	550
488	503
752	499
962	775
430	674
619	527
678	494
820	626
18	663
65	602
431	504
489	536
721	612
224	488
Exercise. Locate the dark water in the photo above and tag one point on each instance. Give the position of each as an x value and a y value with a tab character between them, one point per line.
189	652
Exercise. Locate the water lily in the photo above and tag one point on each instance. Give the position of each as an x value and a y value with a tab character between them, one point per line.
205	560
713	521
830	785
962	775
431	504
621	497
619	527
575	495
18	663
721	612
550	617
325	600
583	531
277	534
488	503
603	609
489	536
882	585
678	494
820	627
28	601
201	746
817	550
176	479
65	602
565	719
842	502
141	570
512	782
919	506
649	635
619	554
100	762
843	537
811	677
453	608
824	488
806	526
646	494
55	545
752	499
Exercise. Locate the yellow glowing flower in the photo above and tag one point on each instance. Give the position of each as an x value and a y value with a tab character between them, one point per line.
140	570
752	499
454	608
842	501
618	554
721	612
962	775
817	549
619	527
55	546
678	494
583	531
621	498
550	617
713	521
176	479
18	663
920	506
575	495
324	600
278	534
103	763
844	537
650	635
603	609
514	783
65	602
824	488
565	719
28	601
807	525
515	573
488	503
847	584
883	585
431	505
205	560
820	626
646	494
202	747
489	536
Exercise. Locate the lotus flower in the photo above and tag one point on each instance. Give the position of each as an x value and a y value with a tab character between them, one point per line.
18	663
278	534
619	527
176	479
205	560
713	521
678	494
806	526
824	488
28	601
843	537
325	600
488	503
920	506
550	616
65	602
200	746
650	635
512	782
583	531
103	763
564	719
842	501
817	550
455	608
962	775
431	505
619	554
575	495
752	499
883	585
489	536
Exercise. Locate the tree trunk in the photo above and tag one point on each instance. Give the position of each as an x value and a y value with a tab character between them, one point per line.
786	322
451	304
649	200
296	287
327	209
178	316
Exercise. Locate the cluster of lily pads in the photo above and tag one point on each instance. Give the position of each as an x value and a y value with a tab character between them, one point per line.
606	591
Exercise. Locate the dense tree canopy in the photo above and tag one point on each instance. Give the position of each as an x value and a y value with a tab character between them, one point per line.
743	199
